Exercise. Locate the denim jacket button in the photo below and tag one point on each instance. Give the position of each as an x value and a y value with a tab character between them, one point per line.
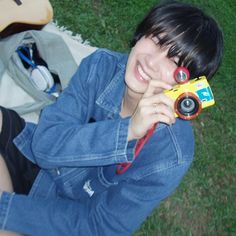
58	171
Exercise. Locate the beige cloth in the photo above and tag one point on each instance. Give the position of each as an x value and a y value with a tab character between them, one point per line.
12	95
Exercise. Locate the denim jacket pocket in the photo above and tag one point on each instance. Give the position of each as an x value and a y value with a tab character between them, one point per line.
66	179
78	183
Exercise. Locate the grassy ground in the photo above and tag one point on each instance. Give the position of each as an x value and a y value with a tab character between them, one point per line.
205	203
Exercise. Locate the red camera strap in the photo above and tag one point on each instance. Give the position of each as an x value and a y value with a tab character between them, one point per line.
121	168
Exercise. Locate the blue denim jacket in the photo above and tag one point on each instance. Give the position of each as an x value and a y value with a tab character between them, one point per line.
78	143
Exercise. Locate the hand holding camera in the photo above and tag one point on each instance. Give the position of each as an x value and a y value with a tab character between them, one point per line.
185	100
154	107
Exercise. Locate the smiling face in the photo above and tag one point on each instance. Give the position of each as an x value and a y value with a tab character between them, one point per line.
148	61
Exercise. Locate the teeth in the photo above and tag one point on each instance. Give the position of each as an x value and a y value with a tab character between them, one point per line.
142	73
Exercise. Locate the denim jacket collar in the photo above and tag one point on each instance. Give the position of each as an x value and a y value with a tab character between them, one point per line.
110	99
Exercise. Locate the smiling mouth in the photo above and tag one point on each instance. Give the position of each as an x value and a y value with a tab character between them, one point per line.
142	76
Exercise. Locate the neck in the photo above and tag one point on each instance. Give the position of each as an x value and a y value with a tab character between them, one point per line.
129	103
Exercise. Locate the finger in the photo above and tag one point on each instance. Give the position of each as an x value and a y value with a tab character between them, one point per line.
156	86
163	98
154	110
157	99
162	109
163	119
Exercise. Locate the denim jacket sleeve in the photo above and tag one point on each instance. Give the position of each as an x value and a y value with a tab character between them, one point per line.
117	212
64	136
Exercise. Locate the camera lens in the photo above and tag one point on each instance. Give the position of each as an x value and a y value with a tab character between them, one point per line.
188	106
181	76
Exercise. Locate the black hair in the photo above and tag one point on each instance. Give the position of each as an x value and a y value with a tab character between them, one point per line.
191	35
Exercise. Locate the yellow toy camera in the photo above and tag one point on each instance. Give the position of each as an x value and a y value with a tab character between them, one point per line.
190	96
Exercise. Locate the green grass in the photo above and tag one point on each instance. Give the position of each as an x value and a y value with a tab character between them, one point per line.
205	203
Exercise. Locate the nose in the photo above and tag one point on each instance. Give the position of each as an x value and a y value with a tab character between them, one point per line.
154	64
153	61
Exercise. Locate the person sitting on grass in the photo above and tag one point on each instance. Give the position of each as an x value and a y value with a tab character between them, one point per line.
68	174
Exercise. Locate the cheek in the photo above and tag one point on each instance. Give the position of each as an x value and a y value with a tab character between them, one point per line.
169	75
132	57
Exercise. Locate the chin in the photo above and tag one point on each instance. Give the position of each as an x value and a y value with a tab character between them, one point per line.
135	88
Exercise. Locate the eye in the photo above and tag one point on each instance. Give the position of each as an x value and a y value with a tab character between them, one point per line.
175	60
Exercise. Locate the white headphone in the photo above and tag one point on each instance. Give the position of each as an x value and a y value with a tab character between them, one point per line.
40	76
